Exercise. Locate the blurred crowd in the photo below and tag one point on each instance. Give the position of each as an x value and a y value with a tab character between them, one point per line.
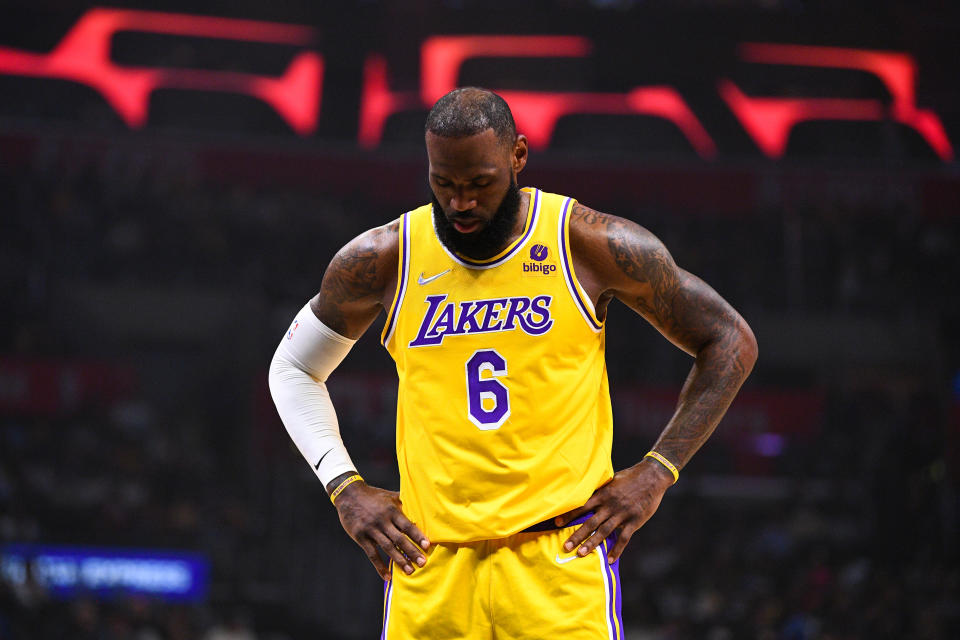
855	548
27	613
858	539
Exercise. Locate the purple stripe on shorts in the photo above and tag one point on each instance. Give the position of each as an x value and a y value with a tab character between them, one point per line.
615	568
612	572
387	589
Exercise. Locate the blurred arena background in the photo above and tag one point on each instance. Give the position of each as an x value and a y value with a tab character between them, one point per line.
175	176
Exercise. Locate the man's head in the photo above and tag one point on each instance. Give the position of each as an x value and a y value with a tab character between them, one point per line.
475	155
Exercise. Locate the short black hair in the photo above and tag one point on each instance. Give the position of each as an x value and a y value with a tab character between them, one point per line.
471	110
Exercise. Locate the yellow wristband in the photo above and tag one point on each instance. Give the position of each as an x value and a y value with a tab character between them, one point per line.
669	465
343	485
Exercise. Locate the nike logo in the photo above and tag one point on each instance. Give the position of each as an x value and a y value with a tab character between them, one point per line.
565	560
421	280
317	466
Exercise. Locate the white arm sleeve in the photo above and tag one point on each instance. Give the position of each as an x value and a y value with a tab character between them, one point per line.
305	358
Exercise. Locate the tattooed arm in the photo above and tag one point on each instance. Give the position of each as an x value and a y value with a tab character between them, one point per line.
359	282
616	258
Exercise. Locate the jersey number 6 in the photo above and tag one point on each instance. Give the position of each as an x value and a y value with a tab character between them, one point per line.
497	409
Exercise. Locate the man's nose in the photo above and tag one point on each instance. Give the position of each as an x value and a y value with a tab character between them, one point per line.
462	201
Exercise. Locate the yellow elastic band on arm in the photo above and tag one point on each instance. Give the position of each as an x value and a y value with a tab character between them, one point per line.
343	485
669	465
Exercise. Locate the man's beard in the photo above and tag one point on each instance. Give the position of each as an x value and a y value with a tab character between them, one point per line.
488	241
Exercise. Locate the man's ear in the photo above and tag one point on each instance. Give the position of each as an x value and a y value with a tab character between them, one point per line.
519	159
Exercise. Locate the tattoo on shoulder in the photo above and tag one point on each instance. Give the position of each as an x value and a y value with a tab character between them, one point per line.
590	216
637	252
354	275
640	256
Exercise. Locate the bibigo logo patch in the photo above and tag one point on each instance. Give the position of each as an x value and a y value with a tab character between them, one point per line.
538	265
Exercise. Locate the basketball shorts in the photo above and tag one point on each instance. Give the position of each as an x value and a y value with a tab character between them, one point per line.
523	586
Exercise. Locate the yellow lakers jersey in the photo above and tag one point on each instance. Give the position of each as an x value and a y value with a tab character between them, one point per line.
503	411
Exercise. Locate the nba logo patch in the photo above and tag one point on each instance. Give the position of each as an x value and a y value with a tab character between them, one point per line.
296	323
538	265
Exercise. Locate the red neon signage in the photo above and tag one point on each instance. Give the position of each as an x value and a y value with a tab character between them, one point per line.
83	55
536	112
442	56
377	101
770	120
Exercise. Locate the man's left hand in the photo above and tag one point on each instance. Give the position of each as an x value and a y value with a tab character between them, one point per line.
624	504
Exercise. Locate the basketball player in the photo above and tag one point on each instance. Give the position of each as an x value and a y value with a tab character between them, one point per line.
510	520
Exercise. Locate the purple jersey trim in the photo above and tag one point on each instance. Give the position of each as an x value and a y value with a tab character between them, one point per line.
404	277
479	264
568	268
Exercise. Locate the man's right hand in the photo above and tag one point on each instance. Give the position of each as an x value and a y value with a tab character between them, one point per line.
372	517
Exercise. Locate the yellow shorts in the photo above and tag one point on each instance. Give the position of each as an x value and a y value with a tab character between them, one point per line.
522	586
